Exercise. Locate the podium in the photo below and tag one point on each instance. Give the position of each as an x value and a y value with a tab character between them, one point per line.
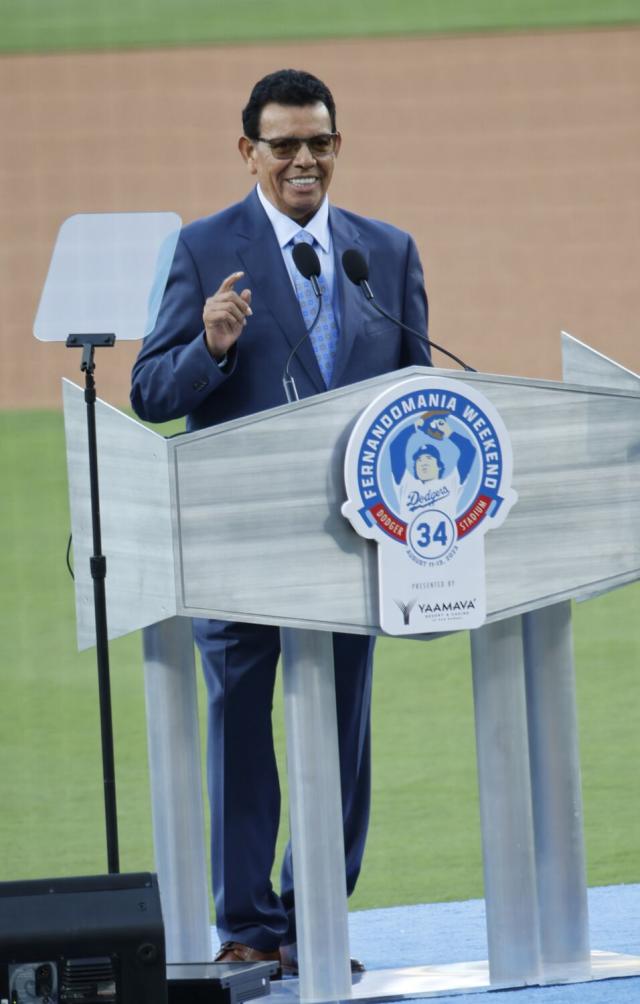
242	521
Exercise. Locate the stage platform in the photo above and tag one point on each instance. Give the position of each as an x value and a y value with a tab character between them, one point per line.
442	948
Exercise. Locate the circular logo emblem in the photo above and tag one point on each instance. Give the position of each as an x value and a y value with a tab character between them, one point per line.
427	465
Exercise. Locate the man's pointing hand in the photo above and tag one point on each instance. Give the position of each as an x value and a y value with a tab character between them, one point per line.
225	315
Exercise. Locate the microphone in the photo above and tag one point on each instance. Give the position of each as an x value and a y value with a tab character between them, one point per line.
355	265
308	264
357	270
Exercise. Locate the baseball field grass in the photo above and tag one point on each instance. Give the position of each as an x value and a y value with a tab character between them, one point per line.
424	843
425	838
33	26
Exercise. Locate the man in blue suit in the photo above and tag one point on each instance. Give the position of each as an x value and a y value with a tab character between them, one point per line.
230	317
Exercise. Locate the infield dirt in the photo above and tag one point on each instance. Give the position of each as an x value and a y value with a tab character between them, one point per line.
514	159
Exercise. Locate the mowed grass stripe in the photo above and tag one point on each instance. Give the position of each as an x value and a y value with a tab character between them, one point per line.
34	26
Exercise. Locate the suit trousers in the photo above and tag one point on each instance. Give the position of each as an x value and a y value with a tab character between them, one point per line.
239	664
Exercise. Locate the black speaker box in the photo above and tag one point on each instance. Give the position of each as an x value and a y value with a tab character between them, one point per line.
82	941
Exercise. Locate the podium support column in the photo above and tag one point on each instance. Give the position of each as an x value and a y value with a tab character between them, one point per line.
556	793
504	784
315	809
176	788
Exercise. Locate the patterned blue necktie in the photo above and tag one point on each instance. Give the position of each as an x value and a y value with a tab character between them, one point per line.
324	336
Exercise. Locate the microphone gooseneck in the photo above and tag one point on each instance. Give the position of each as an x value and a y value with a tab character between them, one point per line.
357	270
308	264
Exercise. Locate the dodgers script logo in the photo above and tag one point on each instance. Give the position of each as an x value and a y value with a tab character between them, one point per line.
428	471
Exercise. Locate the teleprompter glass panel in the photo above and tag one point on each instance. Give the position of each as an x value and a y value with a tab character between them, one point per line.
107	275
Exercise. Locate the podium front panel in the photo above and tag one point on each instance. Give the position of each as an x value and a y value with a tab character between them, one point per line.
261	536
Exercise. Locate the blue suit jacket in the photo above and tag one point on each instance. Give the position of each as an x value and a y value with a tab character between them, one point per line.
175	375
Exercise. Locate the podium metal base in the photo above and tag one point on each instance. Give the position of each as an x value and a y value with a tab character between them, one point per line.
456	978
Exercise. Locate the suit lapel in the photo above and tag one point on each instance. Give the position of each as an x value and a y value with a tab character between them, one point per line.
271	286
352	316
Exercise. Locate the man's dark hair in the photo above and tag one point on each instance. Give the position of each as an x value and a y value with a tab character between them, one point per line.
285	87
429	451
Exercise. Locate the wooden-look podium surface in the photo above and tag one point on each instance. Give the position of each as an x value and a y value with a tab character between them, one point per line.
242	521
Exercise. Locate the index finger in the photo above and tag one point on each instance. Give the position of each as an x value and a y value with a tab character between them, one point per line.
230	281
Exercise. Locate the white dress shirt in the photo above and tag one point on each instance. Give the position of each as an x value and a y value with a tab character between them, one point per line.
286	229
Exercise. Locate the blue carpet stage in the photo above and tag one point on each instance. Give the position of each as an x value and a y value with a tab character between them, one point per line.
442	933
455	932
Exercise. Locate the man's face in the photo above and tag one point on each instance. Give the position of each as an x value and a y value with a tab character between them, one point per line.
426	467
296	186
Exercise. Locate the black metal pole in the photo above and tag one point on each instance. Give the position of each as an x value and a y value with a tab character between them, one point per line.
98	568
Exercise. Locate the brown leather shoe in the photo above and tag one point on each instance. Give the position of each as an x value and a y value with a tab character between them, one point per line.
289	961
234	951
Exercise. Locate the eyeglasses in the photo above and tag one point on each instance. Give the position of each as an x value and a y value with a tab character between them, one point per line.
286	147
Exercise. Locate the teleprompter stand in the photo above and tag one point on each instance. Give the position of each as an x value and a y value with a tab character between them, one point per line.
106	276
98	567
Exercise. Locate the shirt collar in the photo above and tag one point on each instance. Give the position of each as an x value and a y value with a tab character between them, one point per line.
285	228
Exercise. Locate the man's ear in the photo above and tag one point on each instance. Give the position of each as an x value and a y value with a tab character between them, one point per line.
248	153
